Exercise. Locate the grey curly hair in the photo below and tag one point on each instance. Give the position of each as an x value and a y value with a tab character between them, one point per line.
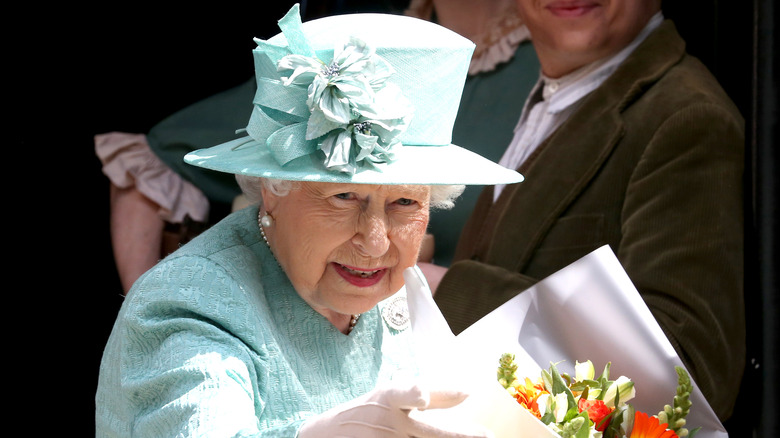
442	196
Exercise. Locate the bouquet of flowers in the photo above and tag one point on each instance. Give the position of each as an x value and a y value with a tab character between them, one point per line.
585	406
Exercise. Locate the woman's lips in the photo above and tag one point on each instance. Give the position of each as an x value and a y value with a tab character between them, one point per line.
571	8
358	276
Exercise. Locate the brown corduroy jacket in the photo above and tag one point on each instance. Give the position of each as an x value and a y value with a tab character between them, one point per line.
651	163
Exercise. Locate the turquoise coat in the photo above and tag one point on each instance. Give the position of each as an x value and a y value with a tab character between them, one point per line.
214	341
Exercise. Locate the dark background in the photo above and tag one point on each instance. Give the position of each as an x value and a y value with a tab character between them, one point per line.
73	74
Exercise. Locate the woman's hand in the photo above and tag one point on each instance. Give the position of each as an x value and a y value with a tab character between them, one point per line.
388	411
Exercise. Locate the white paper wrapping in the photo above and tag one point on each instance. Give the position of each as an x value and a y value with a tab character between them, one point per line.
561	319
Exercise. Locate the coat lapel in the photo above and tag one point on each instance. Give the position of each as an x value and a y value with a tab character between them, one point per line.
525	212
564	164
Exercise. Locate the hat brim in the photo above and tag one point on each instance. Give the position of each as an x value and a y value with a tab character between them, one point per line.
423	165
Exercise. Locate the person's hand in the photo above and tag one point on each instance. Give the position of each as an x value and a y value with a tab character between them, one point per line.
388	411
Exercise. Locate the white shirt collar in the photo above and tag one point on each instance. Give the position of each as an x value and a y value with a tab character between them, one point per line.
566	90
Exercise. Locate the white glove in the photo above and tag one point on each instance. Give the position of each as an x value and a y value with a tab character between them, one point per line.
388	411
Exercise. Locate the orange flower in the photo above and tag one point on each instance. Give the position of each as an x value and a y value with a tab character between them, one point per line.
596	410
528	394
648	427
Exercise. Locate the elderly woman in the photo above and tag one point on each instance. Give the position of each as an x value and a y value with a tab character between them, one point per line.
288	318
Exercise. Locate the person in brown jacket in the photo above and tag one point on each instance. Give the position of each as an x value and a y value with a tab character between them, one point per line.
629	141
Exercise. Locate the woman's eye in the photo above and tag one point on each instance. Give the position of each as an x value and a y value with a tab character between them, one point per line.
405	201
345	196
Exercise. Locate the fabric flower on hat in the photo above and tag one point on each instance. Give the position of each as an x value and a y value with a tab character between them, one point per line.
356	113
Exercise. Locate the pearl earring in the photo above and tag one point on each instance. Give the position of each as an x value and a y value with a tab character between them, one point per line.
266	220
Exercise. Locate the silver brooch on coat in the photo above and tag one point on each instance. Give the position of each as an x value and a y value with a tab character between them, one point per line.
396	313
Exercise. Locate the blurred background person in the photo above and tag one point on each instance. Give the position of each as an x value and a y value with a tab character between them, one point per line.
625	140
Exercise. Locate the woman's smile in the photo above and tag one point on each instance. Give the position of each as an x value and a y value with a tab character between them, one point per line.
359	277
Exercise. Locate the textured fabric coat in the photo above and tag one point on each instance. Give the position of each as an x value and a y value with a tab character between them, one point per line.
214	341
651	163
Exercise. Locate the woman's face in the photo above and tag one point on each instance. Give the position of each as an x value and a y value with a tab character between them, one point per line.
345	246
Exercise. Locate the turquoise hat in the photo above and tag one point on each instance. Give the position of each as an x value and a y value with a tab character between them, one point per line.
357	98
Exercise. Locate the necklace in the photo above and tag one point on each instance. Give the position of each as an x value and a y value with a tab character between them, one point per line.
352	320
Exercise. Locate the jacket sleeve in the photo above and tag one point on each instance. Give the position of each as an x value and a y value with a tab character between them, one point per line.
682	243
471	289
186	369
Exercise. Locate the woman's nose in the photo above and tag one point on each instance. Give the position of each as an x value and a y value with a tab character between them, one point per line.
372	235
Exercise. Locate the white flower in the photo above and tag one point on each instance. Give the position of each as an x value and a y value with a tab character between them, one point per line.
584	371
557	404
623	386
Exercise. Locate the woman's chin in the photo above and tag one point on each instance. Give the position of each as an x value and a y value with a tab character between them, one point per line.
364	299
354	300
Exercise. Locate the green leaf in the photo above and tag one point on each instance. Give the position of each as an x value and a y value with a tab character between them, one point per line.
548	418
604	381
616	421
584	431
547	379
560	386
581	385
577	427
570	414
605	373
